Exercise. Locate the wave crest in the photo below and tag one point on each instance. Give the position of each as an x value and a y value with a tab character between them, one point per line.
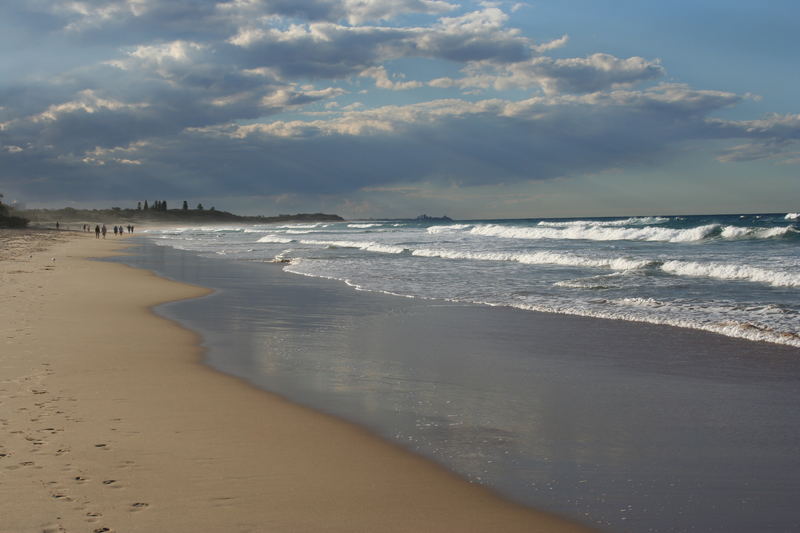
599	233
360	245
275	239
632	221
732	272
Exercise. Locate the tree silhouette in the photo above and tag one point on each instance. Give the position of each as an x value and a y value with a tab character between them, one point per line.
145	205
199	207
185	205
6	220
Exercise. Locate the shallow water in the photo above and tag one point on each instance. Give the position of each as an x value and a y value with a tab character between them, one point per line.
626	426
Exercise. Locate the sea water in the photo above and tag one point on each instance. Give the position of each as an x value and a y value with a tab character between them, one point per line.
737	275
621	424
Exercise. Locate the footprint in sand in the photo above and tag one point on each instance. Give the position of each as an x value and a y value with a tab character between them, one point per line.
138	506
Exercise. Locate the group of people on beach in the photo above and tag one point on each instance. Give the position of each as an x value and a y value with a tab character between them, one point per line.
98	229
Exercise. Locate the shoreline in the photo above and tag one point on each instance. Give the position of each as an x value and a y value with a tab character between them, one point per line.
114	422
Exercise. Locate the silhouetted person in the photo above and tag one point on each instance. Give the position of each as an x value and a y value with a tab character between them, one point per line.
58	225
104	231
97	232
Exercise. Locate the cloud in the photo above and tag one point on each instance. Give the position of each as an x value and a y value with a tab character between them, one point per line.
591	74
214	96
332	50
382	80
135	20
775	137
534	139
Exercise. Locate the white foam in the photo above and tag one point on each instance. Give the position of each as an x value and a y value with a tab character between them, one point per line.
739	232
361	245
732	272
792	216
742	330
363	226
659	313
633	221
447	229
538	258
597	233
593	282
275	239
303	226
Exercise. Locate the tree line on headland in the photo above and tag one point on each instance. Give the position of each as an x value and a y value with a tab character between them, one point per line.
8	220
157	211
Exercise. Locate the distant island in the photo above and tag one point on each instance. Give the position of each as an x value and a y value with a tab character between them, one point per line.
426	218
159	212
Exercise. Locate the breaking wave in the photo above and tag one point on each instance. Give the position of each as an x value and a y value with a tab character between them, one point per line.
646	233
737	232
633	221
445	229
275	239
599	233
727	271
361	245
538	258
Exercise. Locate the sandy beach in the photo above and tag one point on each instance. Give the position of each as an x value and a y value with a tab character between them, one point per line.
110	423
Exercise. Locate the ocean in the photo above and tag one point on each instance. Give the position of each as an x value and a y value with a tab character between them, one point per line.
736	275
487	347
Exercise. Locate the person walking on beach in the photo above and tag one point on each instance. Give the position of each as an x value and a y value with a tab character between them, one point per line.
104	231
97	232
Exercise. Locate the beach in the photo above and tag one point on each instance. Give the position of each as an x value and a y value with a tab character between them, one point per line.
111	423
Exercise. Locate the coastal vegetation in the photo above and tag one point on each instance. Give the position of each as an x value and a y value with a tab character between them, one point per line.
9	220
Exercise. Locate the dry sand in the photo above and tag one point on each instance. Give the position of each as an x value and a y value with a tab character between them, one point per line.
108	422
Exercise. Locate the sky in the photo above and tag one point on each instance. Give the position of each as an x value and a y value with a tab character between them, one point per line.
393	108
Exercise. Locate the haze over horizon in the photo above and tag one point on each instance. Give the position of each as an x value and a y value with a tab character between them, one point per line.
373	108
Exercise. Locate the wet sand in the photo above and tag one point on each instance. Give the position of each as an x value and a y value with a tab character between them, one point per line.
109	422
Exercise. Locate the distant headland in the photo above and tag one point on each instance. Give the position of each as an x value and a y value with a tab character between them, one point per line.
158	212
